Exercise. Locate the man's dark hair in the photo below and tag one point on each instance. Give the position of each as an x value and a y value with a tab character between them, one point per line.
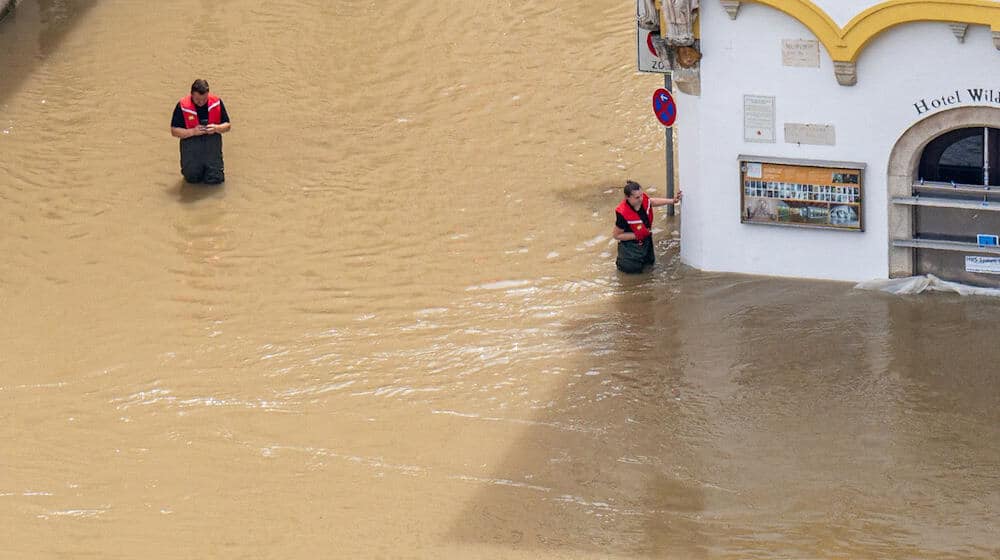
199	86
631	187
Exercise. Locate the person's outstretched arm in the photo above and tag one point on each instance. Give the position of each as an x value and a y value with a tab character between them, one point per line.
665	201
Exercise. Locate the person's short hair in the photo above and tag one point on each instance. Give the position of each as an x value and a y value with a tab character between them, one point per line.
631	187
199	86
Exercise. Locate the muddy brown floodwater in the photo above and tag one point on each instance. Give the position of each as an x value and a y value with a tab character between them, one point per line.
397	331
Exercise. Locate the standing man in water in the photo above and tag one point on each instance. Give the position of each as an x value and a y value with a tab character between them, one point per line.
633	223
199	121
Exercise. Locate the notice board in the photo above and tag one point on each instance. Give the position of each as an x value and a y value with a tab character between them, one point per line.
802	193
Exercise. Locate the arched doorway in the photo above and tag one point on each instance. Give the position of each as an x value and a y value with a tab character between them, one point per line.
944	191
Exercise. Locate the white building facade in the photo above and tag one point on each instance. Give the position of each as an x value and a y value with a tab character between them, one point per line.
843	139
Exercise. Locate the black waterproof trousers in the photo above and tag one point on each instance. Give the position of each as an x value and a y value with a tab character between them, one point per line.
201	159
632	256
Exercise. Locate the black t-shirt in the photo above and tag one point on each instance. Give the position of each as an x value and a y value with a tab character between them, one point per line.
622	223
178	120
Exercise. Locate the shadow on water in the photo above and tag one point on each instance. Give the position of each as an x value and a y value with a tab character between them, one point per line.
610	472
734	416
188	193
31	32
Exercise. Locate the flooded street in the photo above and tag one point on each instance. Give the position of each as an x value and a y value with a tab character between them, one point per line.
397	330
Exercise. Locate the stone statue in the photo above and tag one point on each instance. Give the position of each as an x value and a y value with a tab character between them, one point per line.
648	17
679	17
678	49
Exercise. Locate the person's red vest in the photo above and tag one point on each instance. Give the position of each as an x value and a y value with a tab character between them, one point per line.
634	221
191	112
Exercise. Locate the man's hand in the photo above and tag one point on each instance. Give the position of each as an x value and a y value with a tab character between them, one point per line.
183	133
209	129
217	128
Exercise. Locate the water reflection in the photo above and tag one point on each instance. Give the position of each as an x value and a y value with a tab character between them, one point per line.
31	33
187	193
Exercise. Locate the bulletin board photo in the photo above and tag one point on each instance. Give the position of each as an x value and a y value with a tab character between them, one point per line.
810	194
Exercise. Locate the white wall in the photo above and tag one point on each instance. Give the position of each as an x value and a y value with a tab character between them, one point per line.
688	146
743	57
841	11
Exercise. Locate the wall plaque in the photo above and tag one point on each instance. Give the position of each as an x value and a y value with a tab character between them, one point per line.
815	134
758	118
803	53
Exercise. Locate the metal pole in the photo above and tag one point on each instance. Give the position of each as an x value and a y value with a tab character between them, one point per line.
669	137
986	157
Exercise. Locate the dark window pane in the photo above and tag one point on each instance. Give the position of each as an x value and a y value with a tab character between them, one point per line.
967	152
954	156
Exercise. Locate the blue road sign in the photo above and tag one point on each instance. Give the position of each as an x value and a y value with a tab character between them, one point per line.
664	107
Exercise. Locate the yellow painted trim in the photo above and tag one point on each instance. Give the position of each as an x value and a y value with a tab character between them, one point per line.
663	23
845	44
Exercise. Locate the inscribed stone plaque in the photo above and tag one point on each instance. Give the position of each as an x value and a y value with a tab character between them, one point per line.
816	134
758	118
800	52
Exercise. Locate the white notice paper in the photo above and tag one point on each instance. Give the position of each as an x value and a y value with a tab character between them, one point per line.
758	118
984	265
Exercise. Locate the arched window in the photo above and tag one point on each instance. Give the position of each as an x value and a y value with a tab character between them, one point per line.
968	156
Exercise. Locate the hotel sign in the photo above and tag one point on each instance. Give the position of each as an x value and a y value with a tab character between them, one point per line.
958	97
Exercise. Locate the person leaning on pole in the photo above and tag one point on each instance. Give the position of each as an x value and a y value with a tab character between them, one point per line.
199	120
633	223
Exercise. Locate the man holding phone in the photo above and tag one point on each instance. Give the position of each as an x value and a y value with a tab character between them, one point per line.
199	121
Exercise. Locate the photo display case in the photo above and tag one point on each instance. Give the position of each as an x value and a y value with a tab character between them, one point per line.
802	193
